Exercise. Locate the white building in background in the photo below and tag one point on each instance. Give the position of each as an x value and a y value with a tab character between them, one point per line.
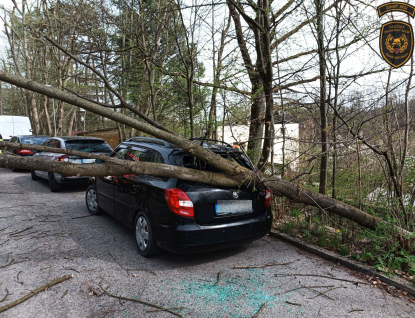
240	134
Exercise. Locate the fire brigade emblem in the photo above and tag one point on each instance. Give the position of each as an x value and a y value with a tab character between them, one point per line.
396	42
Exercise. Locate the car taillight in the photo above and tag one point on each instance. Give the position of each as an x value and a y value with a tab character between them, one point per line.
63	158
267	202
25	152
179	202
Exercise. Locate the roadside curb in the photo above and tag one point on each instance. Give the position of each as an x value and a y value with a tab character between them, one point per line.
349	263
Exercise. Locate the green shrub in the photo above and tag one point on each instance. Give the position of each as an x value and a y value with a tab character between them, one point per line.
288	226
344	250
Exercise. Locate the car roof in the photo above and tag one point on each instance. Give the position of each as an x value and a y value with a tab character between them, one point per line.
166	147
77	138
31	136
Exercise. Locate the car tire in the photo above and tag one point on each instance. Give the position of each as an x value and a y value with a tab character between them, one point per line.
54	186
91	201
33	175
144	236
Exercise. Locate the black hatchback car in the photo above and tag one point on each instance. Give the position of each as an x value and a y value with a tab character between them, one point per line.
176	215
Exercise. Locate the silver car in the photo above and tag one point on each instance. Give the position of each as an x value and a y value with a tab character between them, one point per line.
78	143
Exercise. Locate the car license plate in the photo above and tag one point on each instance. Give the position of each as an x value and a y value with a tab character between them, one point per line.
88	160
233	207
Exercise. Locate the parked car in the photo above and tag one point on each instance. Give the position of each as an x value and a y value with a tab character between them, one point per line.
177	215
28	140
79	143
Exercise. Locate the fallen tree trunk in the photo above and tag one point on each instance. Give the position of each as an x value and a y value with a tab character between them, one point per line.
114	166
233	173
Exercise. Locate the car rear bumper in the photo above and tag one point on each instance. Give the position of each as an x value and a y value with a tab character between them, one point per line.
71	179
193	238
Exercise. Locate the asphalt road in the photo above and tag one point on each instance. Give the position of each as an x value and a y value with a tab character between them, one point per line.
45	236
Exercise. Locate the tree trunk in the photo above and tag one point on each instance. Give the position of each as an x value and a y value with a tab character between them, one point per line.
322	104
1	101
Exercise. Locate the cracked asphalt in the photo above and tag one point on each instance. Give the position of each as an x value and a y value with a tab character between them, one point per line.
45	236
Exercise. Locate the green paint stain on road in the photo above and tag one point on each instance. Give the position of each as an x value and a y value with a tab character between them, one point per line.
238	294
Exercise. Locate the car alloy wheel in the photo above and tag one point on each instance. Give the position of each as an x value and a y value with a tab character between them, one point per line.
141	233
144	236
91	201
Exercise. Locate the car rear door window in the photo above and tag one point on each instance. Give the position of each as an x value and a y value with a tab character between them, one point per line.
88	145
121	153
189	161
142	155
54	143
33	140
157	158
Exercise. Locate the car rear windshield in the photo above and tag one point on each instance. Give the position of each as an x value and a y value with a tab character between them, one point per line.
33	140
189	161
88	145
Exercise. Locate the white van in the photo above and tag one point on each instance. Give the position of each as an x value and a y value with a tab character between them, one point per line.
14	125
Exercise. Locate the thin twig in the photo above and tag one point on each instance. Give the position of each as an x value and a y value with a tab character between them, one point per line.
323	276
325	292
318	292
64	294
5	228
25	234
17	278
154	310
132	269
11	262
218	278
355	310
134	299
295	304
34	292
70	269
262	266
260	310
288	291
4	242
7	294
14	233
80	217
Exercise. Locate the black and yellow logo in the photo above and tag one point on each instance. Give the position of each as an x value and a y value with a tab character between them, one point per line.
396	42
396	6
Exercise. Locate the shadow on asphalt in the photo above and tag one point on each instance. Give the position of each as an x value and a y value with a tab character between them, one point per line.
25	181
